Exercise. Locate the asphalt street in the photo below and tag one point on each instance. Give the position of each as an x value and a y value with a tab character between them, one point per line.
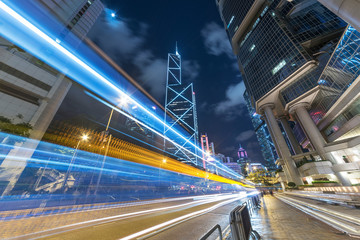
183	218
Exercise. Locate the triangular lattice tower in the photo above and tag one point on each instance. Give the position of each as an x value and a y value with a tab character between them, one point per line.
180	110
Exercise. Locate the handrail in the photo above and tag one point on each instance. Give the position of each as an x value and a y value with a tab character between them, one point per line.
240	222
208	234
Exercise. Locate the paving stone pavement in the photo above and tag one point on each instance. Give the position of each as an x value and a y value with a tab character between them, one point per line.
277	220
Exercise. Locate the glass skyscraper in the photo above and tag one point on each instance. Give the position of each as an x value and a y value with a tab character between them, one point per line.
300	64
263	136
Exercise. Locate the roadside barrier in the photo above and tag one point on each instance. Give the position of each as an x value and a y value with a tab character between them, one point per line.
208	234
240	221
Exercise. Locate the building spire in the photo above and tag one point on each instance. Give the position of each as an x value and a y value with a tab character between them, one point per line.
177	53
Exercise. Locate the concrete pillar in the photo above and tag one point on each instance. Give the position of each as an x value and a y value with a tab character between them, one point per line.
293	172
290	135
310	128
342	177
315	137
283	185
272	137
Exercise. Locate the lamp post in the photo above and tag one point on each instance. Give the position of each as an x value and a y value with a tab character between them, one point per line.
102	165
83	138
123	102
161	163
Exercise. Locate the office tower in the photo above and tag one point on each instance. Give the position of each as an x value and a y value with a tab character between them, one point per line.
262	134
180	111
30	90
204	147
208	149
242	154
299	63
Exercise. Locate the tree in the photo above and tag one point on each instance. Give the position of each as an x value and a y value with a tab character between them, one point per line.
261	176
291	184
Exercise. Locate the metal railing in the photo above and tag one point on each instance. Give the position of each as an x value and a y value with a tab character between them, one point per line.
208	234
240	221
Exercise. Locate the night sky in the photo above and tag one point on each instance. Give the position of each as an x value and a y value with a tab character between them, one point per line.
139	40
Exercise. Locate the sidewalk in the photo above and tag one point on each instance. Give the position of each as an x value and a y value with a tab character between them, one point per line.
277	220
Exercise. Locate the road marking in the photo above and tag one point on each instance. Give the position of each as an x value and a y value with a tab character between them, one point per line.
119	217
171	222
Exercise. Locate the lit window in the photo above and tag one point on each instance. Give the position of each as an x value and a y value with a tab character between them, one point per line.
321	82
278	67
231	20
252	47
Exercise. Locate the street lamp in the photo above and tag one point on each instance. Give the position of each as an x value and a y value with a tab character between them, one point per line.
84	137
123	101
161	163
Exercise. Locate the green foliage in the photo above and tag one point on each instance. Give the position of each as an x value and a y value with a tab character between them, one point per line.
4	120
323	181
21	129
291	184
261	176
304	161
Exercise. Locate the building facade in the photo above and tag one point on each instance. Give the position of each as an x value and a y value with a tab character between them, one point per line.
31	92
299	63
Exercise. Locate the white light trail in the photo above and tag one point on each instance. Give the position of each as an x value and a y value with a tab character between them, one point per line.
164	224
153	130
212	198
55	43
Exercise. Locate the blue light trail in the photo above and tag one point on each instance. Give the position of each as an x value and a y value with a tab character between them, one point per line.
49	41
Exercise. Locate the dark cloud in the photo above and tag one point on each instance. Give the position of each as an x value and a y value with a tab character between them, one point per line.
116	38
216	41
234	103
126	46
244	136
190	70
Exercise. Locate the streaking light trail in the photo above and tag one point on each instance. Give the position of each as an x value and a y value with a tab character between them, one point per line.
81	65
156	132
187	216
60	158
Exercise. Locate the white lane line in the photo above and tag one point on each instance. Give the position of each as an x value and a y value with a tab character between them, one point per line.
118	217
121	205
164	224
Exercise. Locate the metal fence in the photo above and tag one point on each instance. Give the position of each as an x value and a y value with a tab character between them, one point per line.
240	221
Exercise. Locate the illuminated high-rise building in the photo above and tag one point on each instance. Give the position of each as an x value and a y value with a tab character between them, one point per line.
242	154
180	111
208	148
299	63
262	134
31	91
204	147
